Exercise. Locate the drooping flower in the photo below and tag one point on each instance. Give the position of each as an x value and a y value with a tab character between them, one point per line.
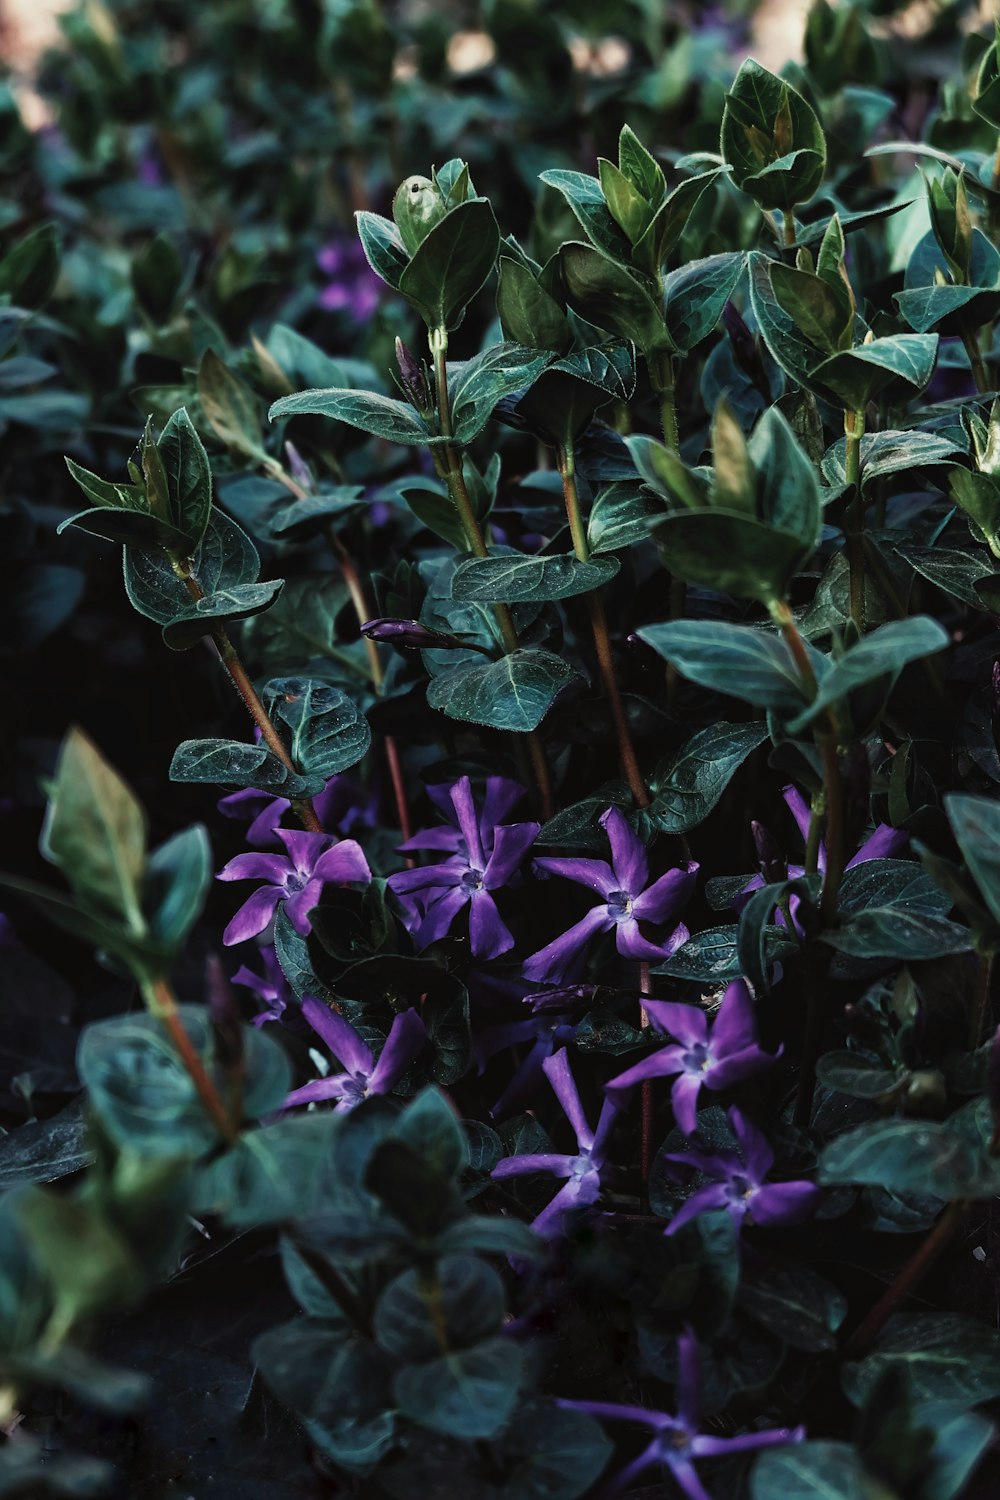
582	1171
717	1059
484	854
676	1441
338	806
295	878
361	1075
271	987
739	1182
627	899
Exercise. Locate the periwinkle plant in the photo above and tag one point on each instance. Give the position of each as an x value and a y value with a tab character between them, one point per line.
557	1056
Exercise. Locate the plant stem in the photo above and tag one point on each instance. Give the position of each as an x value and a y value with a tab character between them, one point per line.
240	679
160	1001
854	428
788	226
450	469
817	812
981	1000
980	375
907	1279
599	625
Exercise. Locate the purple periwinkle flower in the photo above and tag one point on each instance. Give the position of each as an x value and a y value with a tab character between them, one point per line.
484	854
337	806
626	899
271	987
545	1031
362	1075
296	878
739	1182
353	286
582	1171
675	1441
718	1058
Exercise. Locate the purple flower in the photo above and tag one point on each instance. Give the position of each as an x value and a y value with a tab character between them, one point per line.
882	844
353	287
739	1184
583	1170
337	806
676	1442
729	1054
362	1075
297	878
545	1032
272	987
626	899
484	856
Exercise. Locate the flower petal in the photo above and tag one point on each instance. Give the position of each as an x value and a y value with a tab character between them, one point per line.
739	1065
799	809
407	1036
684	1101
668	895
433	838
658	1065
298	907
550	1162
428	877
558	957
688	1023
704	1201
304	849
631	943
488	934
253	916
271	867
753	1144
439	916
501	797
511	842
628	857
784	1203
882	844
557	1070
465	811
317	1092
343	863
594	873
350	1050
735	1025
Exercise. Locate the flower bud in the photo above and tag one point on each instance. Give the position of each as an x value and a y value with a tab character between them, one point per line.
417	206
412	634
773	865
413	380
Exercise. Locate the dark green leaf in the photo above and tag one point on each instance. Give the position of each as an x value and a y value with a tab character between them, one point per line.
379	415
470	1393
327	731
513	693
740	660
948	1358
687	786
902	1156
451	264
189	478
233	763
452	1305
810	1471
528	580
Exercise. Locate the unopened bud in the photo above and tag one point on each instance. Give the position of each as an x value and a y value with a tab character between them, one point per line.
412	634
773	865
413	380
564	998
417	206
297	466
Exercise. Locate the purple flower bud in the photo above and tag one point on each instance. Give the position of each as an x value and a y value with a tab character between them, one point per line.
411	633
413	380
773	865
297	467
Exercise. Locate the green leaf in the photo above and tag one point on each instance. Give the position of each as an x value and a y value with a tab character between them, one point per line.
526	311
822	313
585	198
885	453
620	515
43	1151
947	1358
639	166
802	1308
430	1128
379	415
861	374
902	1156
129	528
772	139
230	406
178	877
328	733
95	831
788	488
694	296
102	492
530	580
629	209
383	246
720	549
454	1305
269	1175
669	222
689	784
189	477
713	956
452	263
739	660
157	274
810	1471
881	654
477	386
145	1098
232	763
89	1262
975	822
29	272
607	294
856	1075
513	693
470	1393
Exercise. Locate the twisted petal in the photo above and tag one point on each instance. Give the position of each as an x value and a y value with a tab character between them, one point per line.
340	1037
735	1025
427	877
556	958
465	811
684	1101
343	863
318	1091
439	916
688	1023
511	842
517	1166
557	1070
502	796
253	916
882	844
784	1203
271	867
301	904
576	1193
668	895
610	1110
628	857
304	849
739	1065
488	934
753	1144
631	943
704	1201
799	809
595	873
406	1039
658	1065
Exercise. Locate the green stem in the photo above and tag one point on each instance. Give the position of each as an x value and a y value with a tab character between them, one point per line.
450	469
854	428
980	375
160	1002
981	1002
817	812
788	226
599	626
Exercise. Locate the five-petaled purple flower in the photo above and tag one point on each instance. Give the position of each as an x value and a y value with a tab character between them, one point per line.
272	988
676	1441
483	855
582	1171
296	878
626	899
362	1075
724	1057
739	1184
